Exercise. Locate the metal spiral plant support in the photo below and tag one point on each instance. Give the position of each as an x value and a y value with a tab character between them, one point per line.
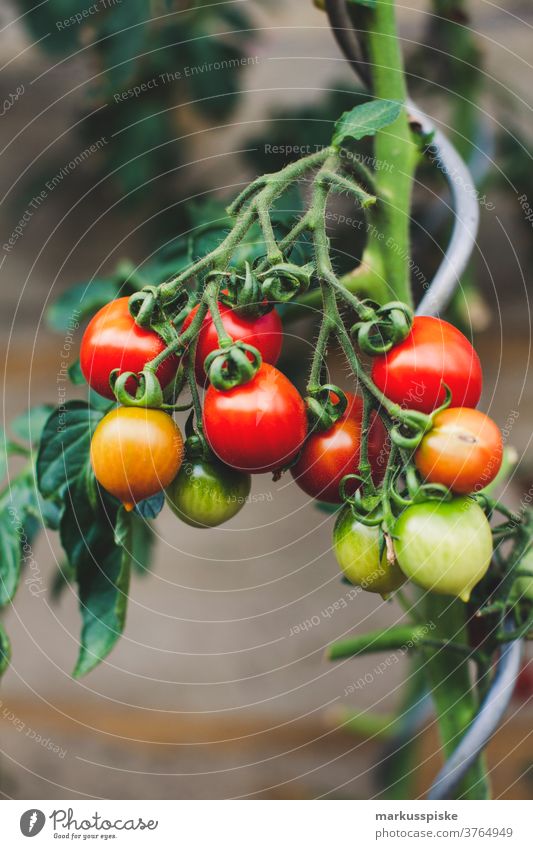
465	209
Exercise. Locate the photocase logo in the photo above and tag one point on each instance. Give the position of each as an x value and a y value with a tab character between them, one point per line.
32	822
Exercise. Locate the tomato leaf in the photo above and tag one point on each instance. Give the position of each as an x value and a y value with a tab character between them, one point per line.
9	554
151	507
365	120
75	373
5	651
64	447
80	301
136	537
142	544
124	35
29	425
102	570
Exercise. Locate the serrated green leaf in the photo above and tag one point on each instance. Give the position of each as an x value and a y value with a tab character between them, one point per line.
79	302
102	571
29	425
365	120
10	540
5	651
64	447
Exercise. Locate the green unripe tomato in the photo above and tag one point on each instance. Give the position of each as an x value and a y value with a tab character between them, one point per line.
207	493
356	548
444	546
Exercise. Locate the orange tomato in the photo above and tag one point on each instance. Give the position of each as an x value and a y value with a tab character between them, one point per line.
135	452
463	450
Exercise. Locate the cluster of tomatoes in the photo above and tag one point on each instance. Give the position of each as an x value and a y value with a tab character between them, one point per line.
262	426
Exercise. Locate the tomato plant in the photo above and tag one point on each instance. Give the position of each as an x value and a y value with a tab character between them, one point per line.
112	341
409	458
433	355
258	426
206	493
463	450
135	453
264	332
329	455
444	546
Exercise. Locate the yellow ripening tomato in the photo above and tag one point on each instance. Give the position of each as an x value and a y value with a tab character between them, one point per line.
136	452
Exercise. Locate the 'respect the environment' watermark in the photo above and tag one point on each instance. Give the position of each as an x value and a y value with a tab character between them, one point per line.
38	199
169	77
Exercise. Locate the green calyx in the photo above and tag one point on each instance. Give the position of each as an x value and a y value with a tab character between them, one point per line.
233	365
389	326
148	392
322	410
143	304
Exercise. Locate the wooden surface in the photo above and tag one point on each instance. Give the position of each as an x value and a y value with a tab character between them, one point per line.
117	753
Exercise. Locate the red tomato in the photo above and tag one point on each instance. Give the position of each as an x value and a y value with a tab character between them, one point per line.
330	454
463	450
264	333
413	373
259	426
113	340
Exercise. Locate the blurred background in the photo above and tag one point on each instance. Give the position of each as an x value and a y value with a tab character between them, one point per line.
125	128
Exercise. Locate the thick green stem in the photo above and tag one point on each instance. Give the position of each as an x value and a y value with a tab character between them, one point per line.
388	247
452	689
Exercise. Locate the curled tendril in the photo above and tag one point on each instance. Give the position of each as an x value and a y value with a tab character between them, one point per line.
143	304
245	293
445	404
241	291
285	280
414	491
322	410
419	491
411	429
232	366
388	326
399	499
433	492
366	509
148	392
